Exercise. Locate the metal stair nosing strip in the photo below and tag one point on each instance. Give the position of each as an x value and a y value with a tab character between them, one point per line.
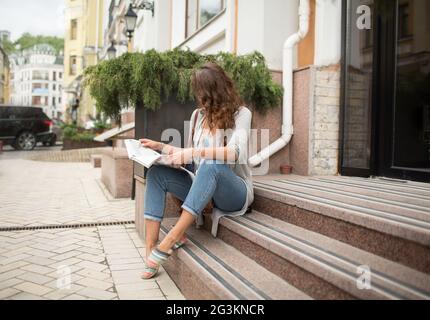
349	183
415	225
373	199
391	183
403	197
351	276
256	291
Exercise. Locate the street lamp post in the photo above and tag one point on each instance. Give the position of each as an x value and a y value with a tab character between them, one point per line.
131	17
130	22
111	52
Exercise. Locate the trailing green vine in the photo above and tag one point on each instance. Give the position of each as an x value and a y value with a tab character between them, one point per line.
151	77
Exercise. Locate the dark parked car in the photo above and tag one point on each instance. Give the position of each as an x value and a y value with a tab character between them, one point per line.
24	127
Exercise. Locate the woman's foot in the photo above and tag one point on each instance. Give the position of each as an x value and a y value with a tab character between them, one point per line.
180	243
153	263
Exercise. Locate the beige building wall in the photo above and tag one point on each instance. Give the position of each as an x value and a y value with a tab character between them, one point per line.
83	40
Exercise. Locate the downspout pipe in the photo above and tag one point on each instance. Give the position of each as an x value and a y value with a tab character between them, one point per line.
287	79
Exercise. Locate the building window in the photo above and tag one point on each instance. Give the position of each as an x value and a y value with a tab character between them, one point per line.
73	65
201	12
40	75
54	87
36	101
405	23
54	76
53	101
74	29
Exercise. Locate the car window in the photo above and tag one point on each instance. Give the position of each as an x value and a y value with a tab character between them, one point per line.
22	113
31	113
4	114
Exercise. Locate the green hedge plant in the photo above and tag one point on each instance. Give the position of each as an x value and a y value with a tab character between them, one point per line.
150	78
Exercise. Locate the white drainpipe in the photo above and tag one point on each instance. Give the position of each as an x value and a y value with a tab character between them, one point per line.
287	112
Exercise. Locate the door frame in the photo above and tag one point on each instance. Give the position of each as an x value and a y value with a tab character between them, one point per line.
383	98
372	170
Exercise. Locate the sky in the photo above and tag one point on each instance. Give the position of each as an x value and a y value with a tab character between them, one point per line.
44	17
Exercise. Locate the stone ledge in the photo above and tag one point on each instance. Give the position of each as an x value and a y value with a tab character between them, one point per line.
117	172
115	153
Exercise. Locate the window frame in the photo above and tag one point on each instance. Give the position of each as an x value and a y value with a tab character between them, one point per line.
73	31
188	34
73	72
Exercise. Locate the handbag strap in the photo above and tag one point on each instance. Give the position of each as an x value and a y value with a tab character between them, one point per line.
196	116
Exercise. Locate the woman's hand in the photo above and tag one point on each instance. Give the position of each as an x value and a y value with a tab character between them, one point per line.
154	145
184	156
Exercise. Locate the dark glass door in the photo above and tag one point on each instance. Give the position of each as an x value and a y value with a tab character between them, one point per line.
405	91
386	81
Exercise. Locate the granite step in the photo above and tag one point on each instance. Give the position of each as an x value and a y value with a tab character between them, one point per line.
208	268
400	199
346	210
390	210
409	187
321	267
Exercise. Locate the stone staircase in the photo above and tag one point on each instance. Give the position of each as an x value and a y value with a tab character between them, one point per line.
311	238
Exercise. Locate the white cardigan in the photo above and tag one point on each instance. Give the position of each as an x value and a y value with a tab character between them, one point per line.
237	138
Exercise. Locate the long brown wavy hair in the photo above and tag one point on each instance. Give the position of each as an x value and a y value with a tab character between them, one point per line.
216	95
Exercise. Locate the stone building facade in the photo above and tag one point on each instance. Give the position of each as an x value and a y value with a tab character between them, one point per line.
37	79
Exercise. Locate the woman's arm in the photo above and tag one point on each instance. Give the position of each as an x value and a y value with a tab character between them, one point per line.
168	149
226	154
186	156
159	146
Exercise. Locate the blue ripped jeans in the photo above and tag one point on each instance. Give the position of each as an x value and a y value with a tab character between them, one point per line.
214	180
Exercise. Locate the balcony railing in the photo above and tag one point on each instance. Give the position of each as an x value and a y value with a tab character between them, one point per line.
37	77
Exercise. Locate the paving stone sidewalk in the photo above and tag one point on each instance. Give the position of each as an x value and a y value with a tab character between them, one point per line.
101	262
42	193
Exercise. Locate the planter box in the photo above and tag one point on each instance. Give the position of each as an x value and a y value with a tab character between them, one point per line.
151	124
72	144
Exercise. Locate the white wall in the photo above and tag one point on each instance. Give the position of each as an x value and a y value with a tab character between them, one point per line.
250	26
280	21
328	26
263	25
154	32
178	22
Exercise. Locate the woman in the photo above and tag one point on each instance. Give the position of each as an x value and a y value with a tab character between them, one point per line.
219	151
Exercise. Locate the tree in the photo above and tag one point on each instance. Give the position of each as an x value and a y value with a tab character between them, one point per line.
8	46
27	41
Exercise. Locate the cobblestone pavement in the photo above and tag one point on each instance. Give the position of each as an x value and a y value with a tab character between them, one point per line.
102	262
41	193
